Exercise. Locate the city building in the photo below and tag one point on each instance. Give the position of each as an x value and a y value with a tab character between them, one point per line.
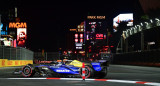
13	31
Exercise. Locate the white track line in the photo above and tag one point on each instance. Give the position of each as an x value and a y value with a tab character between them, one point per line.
107	80
22	78
122	81
155	84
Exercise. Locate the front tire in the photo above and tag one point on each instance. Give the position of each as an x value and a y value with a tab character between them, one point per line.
104	72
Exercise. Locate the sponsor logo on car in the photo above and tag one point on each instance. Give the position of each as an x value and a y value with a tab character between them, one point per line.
63	70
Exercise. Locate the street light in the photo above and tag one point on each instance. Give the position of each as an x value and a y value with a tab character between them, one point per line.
158	22
131	31
135	30
147	25
139	28
151	20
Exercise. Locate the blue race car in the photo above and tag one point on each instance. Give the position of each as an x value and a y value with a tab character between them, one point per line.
59	69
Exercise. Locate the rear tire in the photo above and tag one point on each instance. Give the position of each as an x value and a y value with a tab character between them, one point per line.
88	72
28	70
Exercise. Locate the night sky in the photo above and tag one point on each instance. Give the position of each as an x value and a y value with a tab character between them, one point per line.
48	21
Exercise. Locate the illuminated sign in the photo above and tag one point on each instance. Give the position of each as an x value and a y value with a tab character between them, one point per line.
73	29
81	35
76	40
81	51
81	40
128	17
7	43
76	35
99	36
96	17
80	30
14	43
17	25
78	44
21	36
3	31
69	51
80	26
104	36
151	43
78	47
87	37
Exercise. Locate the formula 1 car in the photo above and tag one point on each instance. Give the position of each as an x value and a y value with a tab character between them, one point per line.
67	69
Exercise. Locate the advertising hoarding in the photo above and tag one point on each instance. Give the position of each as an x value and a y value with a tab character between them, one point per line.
21	36
7	43
127	17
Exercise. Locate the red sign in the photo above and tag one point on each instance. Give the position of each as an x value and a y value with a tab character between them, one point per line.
81	40
76	40
99	36
76	35
81	35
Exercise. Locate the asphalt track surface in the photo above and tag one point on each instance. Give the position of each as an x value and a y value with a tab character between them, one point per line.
122	74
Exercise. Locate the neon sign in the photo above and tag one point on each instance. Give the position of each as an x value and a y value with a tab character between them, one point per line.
3	32
99	36
81	35
73	30
81	40
96	17
76	40
17	25
76	35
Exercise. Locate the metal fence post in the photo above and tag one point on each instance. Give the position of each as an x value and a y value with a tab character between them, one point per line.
46	56
25	54
20	53
16	53
3	51
10	54
142	41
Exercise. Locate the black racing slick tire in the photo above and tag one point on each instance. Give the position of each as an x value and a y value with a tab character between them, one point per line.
103	74
28	70
88	72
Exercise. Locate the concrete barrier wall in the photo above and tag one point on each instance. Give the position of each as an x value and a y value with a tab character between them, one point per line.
8	63
145	58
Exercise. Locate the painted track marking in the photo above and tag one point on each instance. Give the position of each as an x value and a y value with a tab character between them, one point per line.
107	80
